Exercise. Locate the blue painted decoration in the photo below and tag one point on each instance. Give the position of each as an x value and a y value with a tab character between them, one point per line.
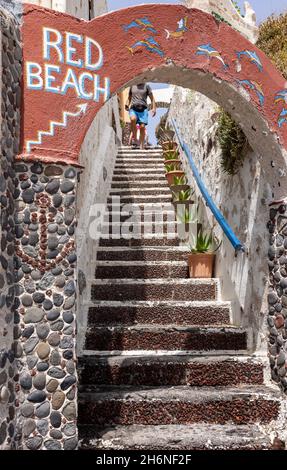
208	51
150	44
253	57
179	32
256	87
143	24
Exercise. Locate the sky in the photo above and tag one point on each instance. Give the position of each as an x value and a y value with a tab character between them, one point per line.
263	9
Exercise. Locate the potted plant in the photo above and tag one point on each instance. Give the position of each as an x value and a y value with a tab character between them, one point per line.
202	257
186	218
183	197
179	184
171	172
170	154
175	164
169	145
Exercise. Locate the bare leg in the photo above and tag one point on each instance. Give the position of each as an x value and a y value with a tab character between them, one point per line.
142	136
134	127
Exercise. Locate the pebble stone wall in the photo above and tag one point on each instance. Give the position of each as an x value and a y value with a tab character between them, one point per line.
45	318
10	52
277	297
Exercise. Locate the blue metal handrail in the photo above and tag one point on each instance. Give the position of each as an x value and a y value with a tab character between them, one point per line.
236	243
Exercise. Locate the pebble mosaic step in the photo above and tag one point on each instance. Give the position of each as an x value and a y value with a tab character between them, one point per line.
142	254
169	338
127	406
154	289
129	313
173	437
170	371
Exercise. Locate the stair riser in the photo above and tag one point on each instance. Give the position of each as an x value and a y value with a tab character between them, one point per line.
138	177
153	292
132	186
141	272
164	315
116	216
125	412
142	229
140	199
172	374
141	255
141	192
141	242
102	339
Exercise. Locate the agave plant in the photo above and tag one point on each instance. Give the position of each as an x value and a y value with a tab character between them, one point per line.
185	215
171	167
171	155
180	180
183	196
204	243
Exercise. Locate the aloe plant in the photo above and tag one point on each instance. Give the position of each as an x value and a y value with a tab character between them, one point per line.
204	243
186	215
180	180
171	155
183	196
171	167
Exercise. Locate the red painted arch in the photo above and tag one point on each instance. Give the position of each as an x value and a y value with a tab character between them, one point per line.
134	41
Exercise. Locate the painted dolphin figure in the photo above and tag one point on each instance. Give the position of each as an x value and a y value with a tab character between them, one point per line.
253	58
209	51
281	96
141	23
150	44
181	29
282	118
256	87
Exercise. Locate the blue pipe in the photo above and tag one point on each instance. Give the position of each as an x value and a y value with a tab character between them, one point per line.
236	243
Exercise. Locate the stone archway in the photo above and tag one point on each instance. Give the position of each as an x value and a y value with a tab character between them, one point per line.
71	67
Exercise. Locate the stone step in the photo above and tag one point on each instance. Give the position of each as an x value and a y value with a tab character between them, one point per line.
140	160
174	437
131	185
140	191
141	270
159	313
134	228
139	177
141	215
170	371
137	172
178	405
154	289
142	254
168	338
157	241
145	199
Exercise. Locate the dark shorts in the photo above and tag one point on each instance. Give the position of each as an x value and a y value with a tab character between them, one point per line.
141	116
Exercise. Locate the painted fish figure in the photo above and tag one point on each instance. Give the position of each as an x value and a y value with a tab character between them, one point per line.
282	117
179	32
209	51
141	23
281	96
252	85
253	57
150	44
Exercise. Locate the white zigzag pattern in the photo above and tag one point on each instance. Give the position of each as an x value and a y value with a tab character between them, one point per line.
53	124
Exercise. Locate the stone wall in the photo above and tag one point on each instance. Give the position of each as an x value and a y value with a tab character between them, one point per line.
45	319
277	292
10	133
243	199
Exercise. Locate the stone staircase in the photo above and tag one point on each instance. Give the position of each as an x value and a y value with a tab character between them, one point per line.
163	367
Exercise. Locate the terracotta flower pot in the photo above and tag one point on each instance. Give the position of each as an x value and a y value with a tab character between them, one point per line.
201	265
169	145
166	153
170	176
176	188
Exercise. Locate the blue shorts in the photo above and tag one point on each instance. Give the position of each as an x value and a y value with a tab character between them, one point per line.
141	116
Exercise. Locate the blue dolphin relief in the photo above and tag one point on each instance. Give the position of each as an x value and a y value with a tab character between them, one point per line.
208	51
150	44
141	23
281	96
282	117
255	87
253	57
